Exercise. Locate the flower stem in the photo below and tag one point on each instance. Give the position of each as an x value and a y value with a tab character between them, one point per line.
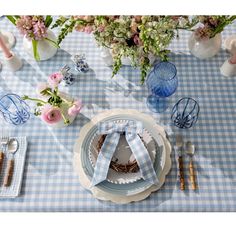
66	121
52	94
34	99
67	102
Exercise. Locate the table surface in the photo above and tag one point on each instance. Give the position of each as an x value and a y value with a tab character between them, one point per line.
49	182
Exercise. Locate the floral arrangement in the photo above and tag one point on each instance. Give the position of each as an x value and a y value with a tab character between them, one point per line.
209	26
135	37
33	28
51	103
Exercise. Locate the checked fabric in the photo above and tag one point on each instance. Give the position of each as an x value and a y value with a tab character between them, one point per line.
113	131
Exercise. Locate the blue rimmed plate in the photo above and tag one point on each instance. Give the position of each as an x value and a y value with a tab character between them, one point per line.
123	189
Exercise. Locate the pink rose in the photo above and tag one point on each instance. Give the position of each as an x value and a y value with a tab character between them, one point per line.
101	28
75	109
137	40
88	29
54	79
50	114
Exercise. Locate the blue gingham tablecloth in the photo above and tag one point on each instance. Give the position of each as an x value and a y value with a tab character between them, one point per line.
49	183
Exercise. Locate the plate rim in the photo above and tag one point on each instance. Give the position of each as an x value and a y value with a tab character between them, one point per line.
114	112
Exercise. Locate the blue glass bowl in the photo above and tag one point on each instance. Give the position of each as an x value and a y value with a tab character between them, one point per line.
13	109
185	113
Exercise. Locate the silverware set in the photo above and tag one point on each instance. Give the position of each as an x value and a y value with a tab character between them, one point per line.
185	149
9	147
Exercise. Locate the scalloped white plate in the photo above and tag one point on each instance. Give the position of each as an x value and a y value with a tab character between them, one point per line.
104	194
123	154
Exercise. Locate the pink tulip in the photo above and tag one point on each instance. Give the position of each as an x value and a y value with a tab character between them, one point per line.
50	114
75	109
54	79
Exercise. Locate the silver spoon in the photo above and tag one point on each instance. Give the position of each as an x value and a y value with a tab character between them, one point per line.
190	150
12	148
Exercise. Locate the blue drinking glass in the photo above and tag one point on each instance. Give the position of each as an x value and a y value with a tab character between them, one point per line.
162	82
185	113
13	109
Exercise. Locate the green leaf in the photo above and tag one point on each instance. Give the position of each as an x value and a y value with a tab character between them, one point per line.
35	50
53	43
60	22
48	21
12	19
46	92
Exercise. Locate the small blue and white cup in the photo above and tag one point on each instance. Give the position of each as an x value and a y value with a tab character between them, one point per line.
68	77
80	63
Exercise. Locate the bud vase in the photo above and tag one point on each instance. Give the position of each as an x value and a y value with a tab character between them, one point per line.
204	48
46	49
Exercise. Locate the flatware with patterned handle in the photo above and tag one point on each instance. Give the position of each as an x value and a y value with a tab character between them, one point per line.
190	150
179	144
1	161
12	149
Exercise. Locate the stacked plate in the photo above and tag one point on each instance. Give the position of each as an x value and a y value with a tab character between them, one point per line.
121	187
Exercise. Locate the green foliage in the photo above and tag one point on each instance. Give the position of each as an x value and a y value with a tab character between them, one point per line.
67	27
48	21
136	37
12	19
60	22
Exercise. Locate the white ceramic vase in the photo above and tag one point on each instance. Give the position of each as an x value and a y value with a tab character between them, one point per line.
204	49
107	57
46	49
64	109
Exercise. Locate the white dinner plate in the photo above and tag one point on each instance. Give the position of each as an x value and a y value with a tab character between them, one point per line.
81	151
125	193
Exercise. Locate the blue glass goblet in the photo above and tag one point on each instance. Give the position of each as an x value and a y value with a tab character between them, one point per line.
13	109
185	113
162	82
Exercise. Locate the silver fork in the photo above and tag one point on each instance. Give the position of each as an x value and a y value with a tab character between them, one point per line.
4	142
